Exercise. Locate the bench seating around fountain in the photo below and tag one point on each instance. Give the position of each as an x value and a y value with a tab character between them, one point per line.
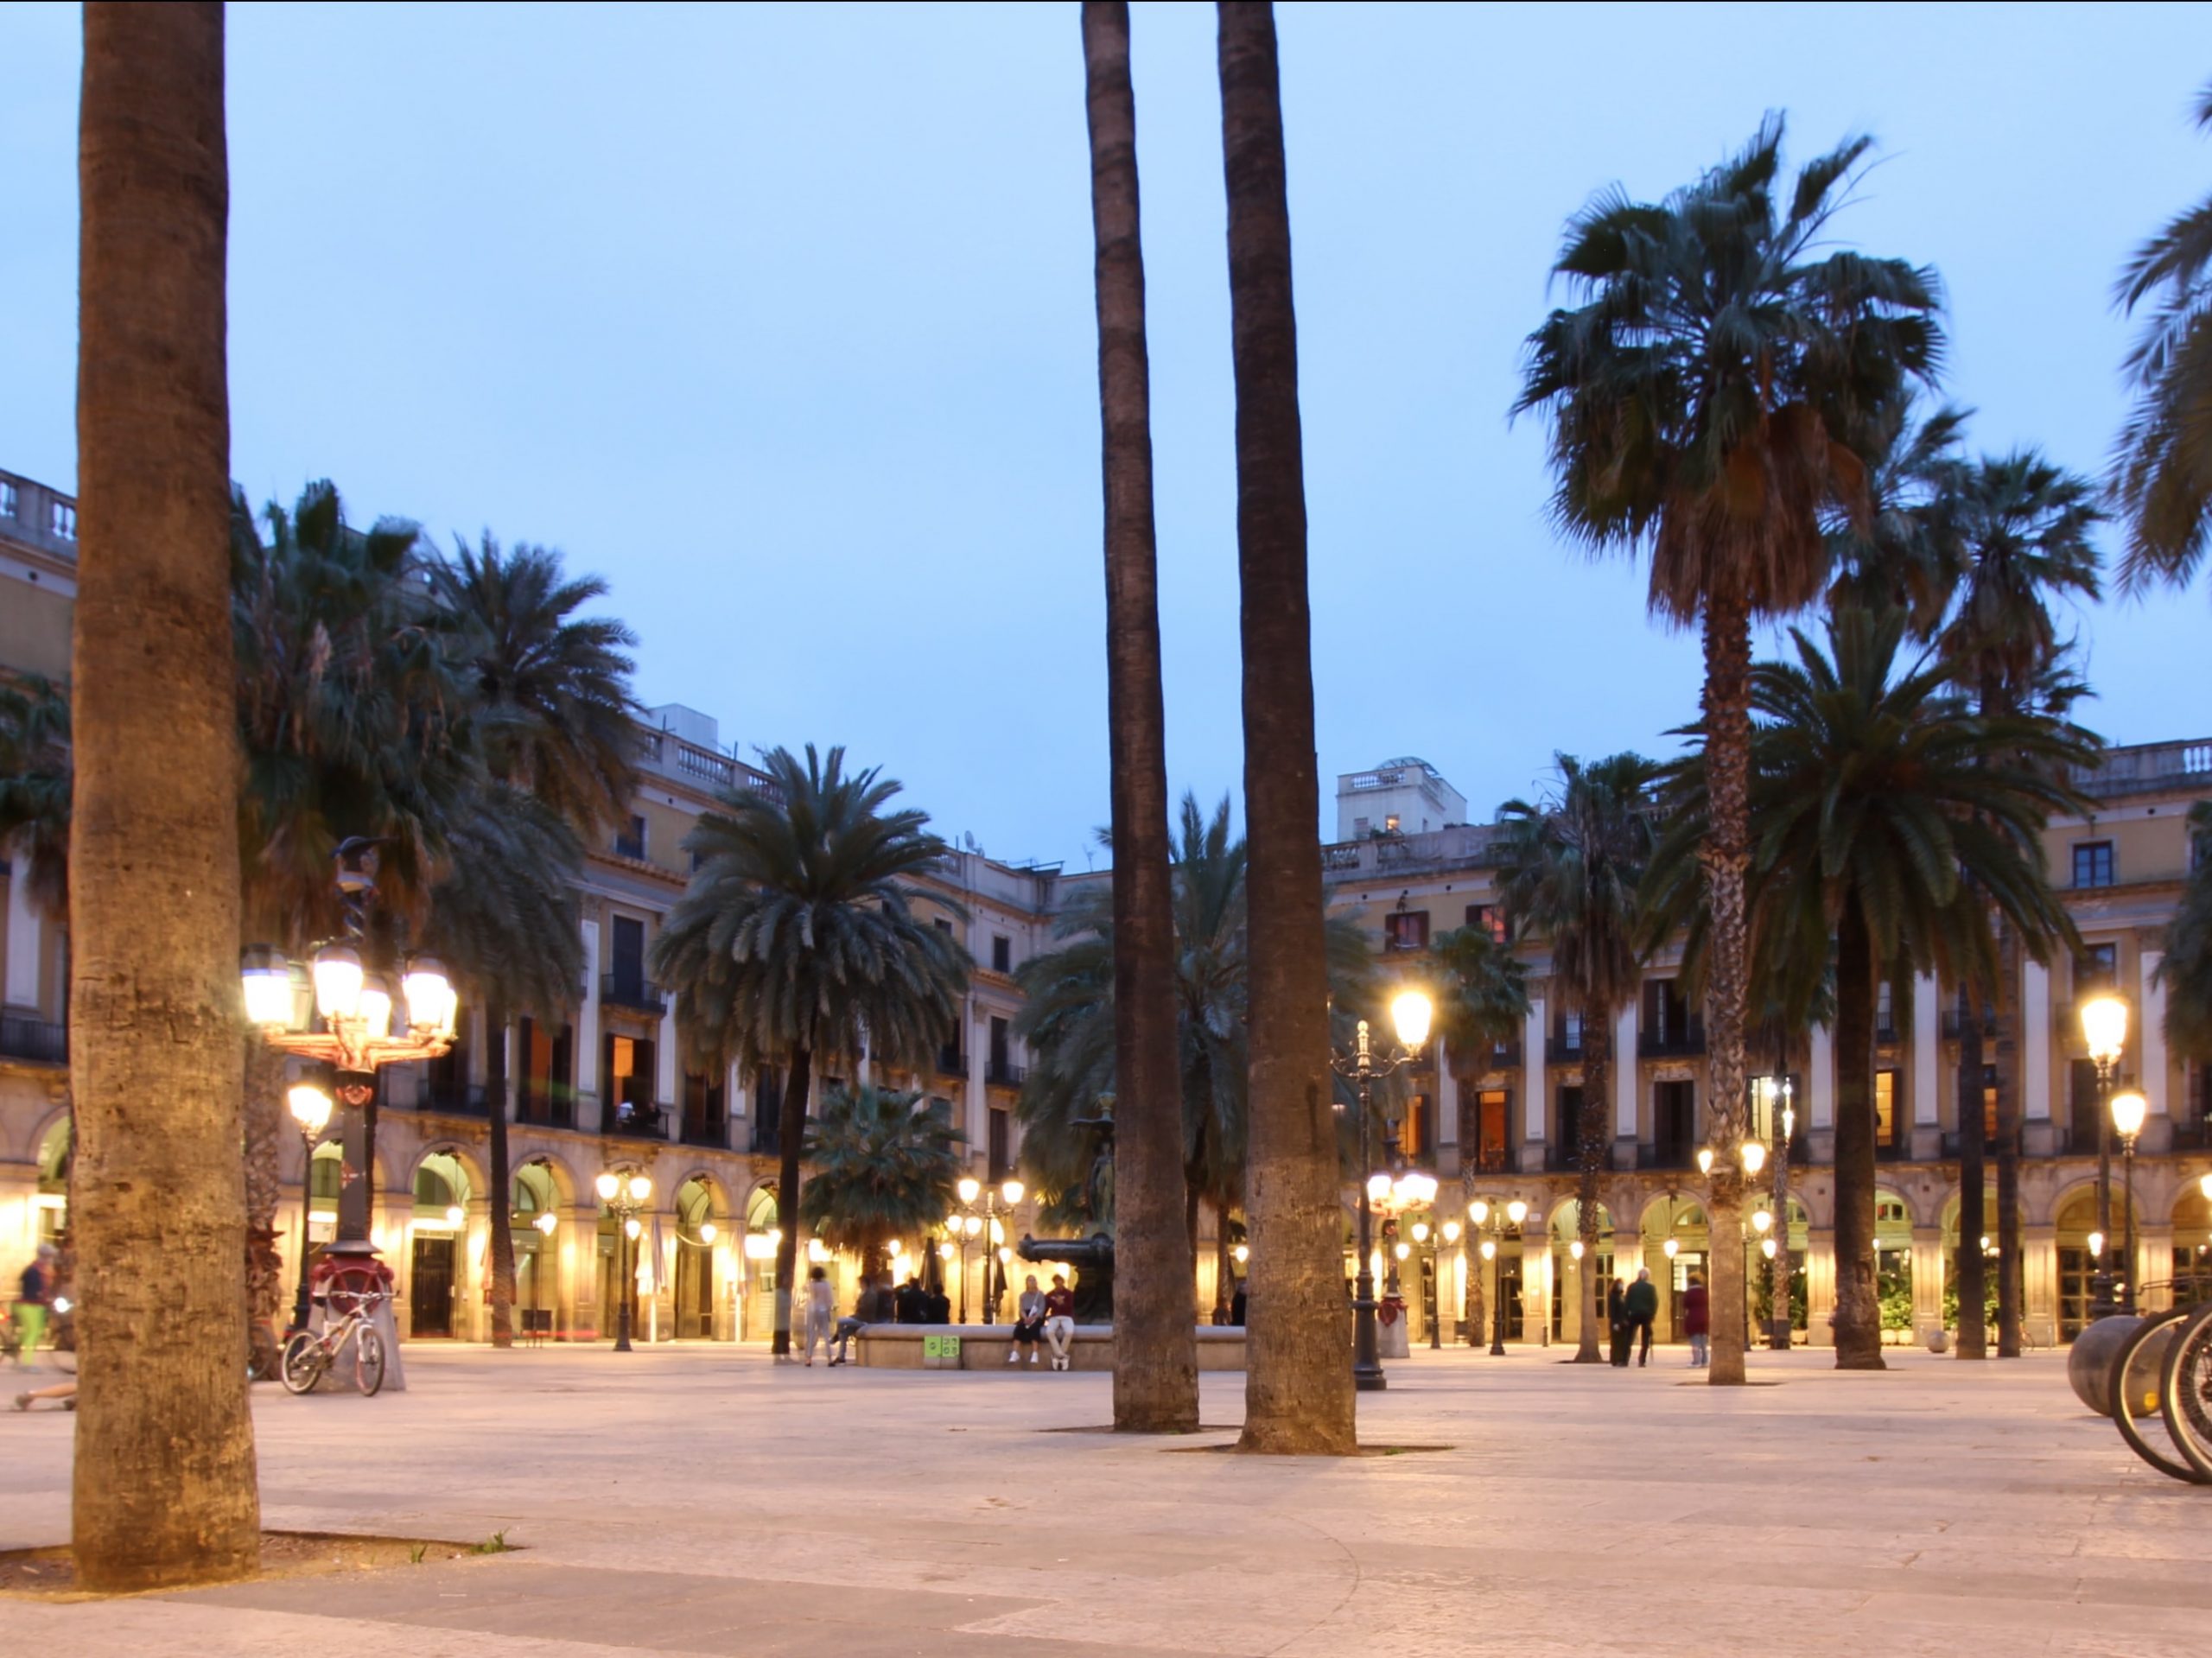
983	1347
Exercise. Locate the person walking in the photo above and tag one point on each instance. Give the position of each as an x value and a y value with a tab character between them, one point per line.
1697	1322
821	1311
1060	1319
1640	1304
35	1295
1617	1318
1029	1323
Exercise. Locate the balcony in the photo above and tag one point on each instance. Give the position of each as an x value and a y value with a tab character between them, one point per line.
1564	1160
1666	1154
1885	1031
1001	1073
1954	1144
1563	1050
629	1120
632	991
951	1061
1490	1160
631	847
1685	1044
546	1105
41	1041
1954	1021
456	1100
1492	1056
2146	767
705	1131
767	1138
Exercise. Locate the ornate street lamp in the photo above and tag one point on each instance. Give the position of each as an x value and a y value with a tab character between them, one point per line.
2104	1031
625	1194
1411	1011
356	1005
1481	1214
1783	1113
310	1109
2129	1108
973	1222
1438	1239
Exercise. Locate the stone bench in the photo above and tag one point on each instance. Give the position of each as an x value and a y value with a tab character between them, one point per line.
983	1347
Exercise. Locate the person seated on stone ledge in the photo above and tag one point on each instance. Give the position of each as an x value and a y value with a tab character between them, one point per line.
1060	1319
1028	1325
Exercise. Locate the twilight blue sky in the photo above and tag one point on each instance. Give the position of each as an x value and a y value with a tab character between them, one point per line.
780	319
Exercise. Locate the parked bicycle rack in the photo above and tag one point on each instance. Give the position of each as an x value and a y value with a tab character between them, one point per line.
2161	1391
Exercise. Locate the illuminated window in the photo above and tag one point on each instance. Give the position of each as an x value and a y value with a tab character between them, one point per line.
1885	1108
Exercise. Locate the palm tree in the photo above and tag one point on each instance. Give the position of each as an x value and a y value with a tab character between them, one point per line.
1902	552
2018	528
797	939
551	716
1570	871
2186	972
2162	472
1888	814
164	1490
1068	1019
880	1164
1481	995
1298	1393
1710	400
34	783
1156	1370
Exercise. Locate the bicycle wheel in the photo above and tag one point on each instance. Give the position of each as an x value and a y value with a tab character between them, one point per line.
2185	1391
368	1361
2138	1370
304	1363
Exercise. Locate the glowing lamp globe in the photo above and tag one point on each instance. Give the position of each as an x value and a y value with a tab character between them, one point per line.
1411	1011
2104	1027
309	1106
2128	1110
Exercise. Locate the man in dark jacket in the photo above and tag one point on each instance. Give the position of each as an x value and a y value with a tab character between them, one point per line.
1617	1321
910	1302
1642	1305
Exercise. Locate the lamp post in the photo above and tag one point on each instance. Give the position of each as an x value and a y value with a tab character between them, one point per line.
1481	1214
1762	1227
625	1194
973	1222
2104	1031
356	1004
1785	1113
1411	1011
310	1109
2128	1109
1438	1239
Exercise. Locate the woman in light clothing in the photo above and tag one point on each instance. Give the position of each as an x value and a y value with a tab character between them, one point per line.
821	1311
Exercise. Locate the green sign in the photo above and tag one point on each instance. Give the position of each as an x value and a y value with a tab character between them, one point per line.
940	1347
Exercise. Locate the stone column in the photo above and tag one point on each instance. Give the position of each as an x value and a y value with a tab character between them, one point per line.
1819	1087
2039	1134
1819	1285
1627	1085
1535	1088
584	1046
2039	1274
1927	1070
1929	1272
2157	1131
2154	1261
1535	1280
25	940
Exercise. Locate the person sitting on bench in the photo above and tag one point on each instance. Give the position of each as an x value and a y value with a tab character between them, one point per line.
1060	1319
1029	1323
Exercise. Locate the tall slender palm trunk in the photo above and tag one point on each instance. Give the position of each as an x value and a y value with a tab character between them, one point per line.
500	1201
1156	1367
2008	1142
1298	1392
266	1125
1857	1299
791	1131
164	1488
1592	1144
1726	856
1972	1268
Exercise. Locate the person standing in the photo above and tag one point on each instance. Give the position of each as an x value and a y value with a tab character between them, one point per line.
1642	1305
821	1311
911	1303
1060	1319
1029	1323
1237	1305
1616	1319
36	1295
1697	1321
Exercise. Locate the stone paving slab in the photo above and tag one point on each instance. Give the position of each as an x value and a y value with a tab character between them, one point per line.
705	1501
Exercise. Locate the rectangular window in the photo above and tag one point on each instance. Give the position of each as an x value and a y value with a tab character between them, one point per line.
1885	1108
1417	1130
706	1120
1989	1105
1493	1107
1567	1129
1359	828
1002	1139
1673	1123
1885	1023
63	521
2093	863
2096	968
630	840
1490	919
1406	930
1001	955
2081	1107
7	499
1390	824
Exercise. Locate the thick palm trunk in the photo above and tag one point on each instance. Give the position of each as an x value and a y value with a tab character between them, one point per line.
1974	1330
500	1201
164	1490
1297	1393
1858	1301
1725	857
792	1129
267	1124
1156	1367
2008	1143
1591	1143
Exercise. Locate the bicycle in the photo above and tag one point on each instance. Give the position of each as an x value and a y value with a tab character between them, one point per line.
308	1355
2185	1391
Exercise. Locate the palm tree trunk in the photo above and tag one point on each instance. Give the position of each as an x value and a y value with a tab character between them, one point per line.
1590	1144
1973	1269
1857	1301
792	1129
1297	1393
164	1490
266	1125
1725	857
1156	1366
2008	1143
499	1204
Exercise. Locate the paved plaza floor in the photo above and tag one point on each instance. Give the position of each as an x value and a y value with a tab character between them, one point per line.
705	1501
